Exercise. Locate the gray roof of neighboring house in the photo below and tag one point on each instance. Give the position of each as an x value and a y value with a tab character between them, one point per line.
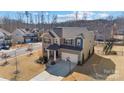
5	32
23	31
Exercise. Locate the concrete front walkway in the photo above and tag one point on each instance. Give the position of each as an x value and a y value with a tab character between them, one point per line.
2	79
45	76
55	72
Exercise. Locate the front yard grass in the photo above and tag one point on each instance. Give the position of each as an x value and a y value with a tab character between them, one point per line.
27	67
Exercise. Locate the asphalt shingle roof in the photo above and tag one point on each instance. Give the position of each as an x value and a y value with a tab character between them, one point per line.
53	47
71	47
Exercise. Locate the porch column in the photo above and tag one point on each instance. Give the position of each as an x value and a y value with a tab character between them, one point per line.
48	54
54	55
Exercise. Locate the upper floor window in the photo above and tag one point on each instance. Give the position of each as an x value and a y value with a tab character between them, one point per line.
69	41
78	42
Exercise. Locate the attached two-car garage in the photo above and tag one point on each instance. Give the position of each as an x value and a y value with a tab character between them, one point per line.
72	57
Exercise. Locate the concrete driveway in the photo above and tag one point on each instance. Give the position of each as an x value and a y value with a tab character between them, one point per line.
55	72
62	68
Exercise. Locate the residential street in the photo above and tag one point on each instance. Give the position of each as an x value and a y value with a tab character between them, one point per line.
20	51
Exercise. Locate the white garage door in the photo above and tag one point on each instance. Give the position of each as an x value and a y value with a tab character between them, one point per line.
73	57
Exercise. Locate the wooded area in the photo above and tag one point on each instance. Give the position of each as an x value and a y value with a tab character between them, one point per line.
45	20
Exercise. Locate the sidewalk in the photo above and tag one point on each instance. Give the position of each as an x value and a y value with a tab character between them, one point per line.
45	76
2	79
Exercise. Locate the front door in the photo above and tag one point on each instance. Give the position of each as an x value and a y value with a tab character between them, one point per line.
57	54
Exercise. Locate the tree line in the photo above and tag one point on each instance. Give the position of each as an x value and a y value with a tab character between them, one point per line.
27	19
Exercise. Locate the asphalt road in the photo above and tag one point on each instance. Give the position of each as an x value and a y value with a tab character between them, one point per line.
21	51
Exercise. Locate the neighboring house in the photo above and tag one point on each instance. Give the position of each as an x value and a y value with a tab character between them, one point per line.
34	30
119	32
104	32
5	37
23	36
119	35
37	33
74	43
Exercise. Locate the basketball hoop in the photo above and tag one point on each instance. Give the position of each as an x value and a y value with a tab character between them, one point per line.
68	59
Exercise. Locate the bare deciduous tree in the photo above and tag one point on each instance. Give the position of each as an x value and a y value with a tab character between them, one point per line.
76	15
85	16
54	21
27	15
110	18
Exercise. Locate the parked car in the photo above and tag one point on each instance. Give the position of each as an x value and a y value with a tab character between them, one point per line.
6	47
1	47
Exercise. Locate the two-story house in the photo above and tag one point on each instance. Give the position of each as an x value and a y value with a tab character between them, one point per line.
5	37
73	43
21	35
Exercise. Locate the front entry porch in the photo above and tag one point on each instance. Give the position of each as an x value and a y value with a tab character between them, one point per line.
53	52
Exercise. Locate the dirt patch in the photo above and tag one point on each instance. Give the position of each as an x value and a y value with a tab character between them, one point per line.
100	67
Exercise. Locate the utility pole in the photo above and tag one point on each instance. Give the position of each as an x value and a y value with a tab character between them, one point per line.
76	15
